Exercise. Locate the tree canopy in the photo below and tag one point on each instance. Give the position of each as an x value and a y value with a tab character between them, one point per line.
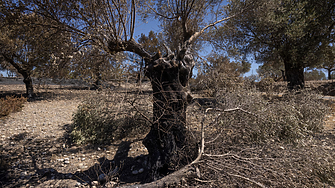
282	31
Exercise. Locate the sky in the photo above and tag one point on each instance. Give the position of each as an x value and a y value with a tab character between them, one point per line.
153	25
145	28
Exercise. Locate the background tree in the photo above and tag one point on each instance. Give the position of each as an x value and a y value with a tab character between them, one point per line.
294	31
272	70
220	73
328	60
94	65
315	75
26	45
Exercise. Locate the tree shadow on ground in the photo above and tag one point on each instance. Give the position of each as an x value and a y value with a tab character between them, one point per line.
121	168
35	162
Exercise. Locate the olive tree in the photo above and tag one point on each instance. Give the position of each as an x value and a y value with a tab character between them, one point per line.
110	25
283	31
27	46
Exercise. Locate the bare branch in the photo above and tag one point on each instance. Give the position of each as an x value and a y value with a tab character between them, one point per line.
197	34
245	178
161	15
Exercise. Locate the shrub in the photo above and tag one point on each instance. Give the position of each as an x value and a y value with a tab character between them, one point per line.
289	118
101	119
11	104
266	85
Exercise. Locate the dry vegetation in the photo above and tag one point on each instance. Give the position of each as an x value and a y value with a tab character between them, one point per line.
11	104
252	139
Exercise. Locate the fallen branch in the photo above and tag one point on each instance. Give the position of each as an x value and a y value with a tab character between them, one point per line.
248	179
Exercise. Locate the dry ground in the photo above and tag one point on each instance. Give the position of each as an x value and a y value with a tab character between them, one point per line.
37	151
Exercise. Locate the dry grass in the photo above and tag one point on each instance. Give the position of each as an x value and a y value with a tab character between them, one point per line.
11	104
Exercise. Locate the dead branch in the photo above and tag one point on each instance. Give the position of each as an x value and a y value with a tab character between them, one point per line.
137	110
248	179
189	170
197	34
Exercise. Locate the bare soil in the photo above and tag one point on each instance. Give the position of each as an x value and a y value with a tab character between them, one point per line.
36	149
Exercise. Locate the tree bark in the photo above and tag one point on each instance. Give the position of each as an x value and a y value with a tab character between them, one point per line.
29	85
25	72
294	75
168	142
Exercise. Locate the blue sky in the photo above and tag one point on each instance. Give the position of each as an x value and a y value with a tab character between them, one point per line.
145	28
152	24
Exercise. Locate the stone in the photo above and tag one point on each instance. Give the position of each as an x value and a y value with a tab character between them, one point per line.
94	183
110	184
135	172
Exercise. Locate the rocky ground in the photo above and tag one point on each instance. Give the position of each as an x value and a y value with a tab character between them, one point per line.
36	150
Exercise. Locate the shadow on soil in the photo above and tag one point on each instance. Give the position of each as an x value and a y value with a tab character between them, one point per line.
29	161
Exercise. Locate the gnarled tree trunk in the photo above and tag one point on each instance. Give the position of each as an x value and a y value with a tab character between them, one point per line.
168	141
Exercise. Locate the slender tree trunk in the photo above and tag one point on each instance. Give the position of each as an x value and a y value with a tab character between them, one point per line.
294	75
329	74
169	143
97	83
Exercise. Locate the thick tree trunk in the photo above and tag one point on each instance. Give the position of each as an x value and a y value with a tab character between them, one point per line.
25	72
29	85
294	75
168	142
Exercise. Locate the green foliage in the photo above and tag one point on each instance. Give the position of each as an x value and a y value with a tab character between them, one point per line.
315	75
151	43
290	118
220	74
11	104
283	32
99	120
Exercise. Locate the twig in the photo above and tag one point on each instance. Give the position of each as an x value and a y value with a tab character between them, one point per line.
137	110
203	181
248	179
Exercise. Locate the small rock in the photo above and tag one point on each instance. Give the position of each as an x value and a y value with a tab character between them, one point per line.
78	184
110	184
67	162
99	149
83	159
140	170
60	160
135	172
66	159
94	183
